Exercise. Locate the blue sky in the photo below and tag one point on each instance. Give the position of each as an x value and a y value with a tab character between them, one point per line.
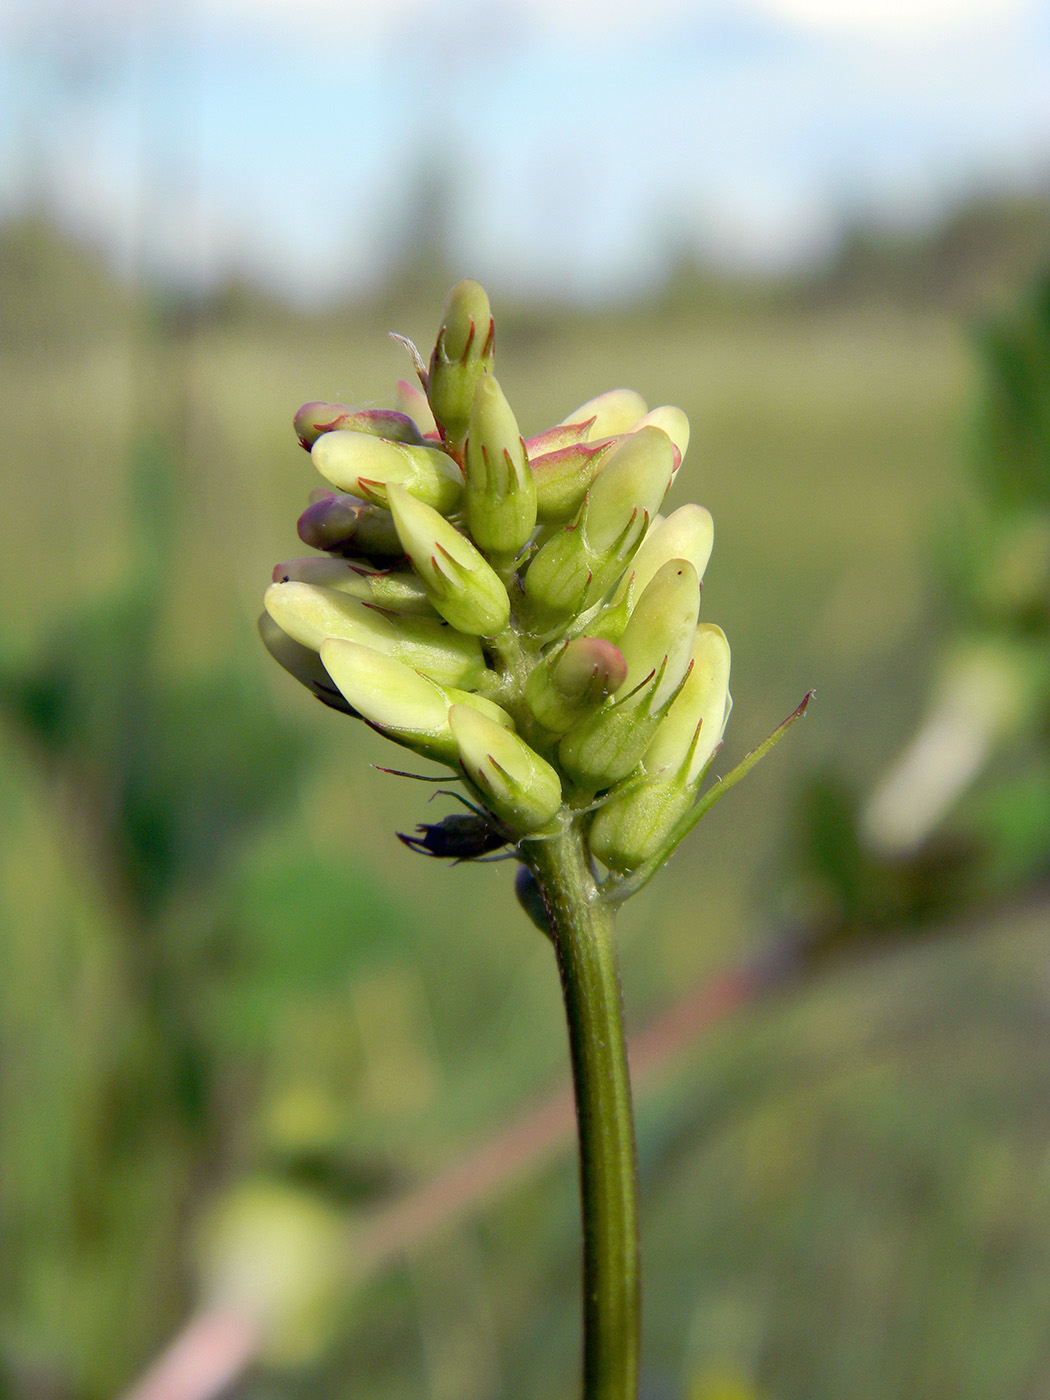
581	143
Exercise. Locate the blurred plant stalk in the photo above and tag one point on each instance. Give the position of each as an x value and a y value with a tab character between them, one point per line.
220	1343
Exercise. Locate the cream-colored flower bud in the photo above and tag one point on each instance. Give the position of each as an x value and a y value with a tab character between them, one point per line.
615	411
405	704
672	421
687	533
703	704
366	466
461	585
515	783
311	614
394	590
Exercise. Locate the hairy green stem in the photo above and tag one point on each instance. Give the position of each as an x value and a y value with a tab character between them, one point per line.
582	929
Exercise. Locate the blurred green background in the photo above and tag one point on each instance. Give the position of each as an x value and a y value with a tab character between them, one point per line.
224	980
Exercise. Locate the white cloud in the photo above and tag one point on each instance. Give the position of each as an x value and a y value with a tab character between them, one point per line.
898	20
597	22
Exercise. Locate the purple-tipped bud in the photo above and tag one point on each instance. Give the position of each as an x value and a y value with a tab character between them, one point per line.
412	401
463	352
314	419
344	525
572	682
615	411
564	476
554	439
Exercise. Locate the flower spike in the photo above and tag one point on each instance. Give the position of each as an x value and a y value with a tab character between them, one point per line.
516	606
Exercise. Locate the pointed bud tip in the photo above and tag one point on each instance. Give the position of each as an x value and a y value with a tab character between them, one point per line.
466	322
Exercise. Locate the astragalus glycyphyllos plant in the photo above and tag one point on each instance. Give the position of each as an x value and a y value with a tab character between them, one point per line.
520	611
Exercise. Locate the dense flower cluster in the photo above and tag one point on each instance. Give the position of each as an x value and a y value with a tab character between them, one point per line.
516	609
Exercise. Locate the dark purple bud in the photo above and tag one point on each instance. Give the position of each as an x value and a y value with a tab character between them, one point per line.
342	524
314	419
460	836
530	898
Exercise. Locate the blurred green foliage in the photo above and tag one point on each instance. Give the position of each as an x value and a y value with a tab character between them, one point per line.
220	967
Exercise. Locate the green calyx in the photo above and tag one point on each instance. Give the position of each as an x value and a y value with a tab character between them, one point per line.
500	494
463	352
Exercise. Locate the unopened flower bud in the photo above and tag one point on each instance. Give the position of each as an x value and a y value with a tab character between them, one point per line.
311	614
383	588
529	895
672	421
314	419
554	439
404	703
461	585
412	401
366	465
500	495
578	677
615	411
632	484
576	567
693	727
515	783
602	749
662	626
656	645
302	663
687	533
463	352
344	525
637	819
564	476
